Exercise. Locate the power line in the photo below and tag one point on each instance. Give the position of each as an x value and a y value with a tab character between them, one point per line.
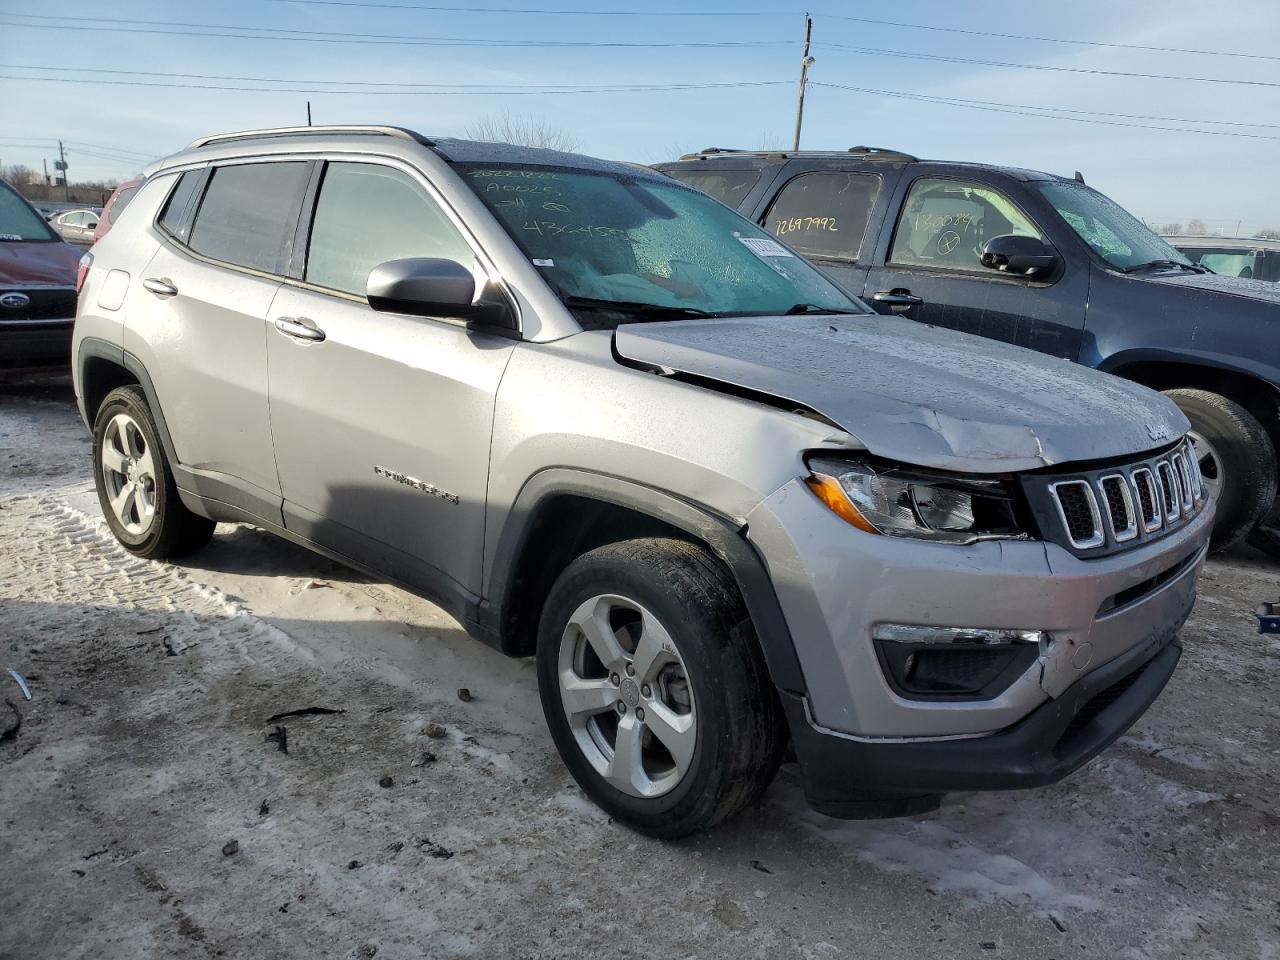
552	88
80	146
1047	109
991	107
487	87
506	92
1012	36
325	36
553	12
943	58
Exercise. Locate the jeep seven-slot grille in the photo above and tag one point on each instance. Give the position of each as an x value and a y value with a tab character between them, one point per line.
1112	507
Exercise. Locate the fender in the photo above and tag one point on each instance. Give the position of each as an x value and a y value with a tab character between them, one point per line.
215	495
723	536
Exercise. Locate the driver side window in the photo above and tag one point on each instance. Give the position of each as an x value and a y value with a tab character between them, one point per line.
944	224
367	214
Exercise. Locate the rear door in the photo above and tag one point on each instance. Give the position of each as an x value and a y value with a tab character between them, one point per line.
830	215
199	319
928	267
381	421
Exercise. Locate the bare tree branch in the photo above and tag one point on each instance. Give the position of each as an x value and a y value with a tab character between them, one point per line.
523	130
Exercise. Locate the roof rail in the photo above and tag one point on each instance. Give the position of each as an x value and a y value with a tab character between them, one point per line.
883	153
400	132
870	153
711	151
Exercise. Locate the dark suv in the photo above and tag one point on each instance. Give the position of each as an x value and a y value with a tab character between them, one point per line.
1044	262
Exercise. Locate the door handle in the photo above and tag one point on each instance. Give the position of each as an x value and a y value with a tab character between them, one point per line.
300	328
897	298
160	286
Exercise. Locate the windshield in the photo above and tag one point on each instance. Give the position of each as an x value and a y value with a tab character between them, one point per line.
1118	236
614	246
18	221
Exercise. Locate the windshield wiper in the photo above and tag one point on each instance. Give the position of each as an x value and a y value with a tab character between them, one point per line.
638	307
796	308
1165	263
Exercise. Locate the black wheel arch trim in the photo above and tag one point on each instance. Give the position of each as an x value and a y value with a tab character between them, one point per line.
723	536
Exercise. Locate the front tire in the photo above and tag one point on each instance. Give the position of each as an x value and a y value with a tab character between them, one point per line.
135	485
654	688
1237	461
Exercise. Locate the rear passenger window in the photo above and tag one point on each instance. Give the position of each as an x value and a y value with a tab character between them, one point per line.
824	215
247	216
730	187
367	214
179	200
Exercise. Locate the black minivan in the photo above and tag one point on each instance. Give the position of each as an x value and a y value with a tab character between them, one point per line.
1045	262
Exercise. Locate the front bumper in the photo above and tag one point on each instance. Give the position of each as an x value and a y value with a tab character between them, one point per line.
1111	618
30	343
854	779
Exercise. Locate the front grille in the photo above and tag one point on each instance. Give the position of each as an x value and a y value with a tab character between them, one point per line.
1079	510
1120	508
1145	484
45	303
1102	510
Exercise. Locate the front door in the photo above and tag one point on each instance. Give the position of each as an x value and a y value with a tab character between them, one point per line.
381	422
931	270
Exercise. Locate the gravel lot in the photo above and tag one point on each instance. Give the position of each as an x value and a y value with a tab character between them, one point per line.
143	812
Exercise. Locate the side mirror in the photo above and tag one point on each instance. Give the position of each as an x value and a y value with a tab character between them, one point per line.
1025	256
432	287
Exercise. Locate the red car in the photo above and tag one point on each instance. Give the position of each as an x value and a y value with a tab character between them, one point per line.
38	281
115	205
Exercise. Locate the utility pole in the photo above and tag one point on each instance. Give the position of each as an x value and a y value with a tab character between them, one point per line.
806	62
308	113
62	165
45	161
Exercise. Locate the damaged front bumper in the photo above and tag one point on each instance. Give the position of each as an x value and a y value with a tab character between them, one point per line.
1107	620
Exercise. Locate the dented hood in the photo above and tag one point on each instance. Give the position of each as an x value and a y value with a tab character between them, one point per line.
916	394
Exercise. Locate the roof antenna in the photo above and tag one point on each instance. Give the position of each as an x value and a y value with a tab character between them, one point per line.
1079	177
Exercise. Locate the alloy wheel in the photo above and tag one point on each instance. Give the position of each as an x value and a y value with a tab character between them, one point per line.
1211	470
129	474
626	694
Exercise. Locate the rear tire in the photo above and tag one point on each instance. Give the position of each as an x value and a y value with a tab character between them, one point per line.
1237	460
675	640
136	490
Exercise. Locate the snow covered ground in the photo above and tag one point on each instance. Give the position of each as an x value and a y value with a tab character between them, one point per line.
143	812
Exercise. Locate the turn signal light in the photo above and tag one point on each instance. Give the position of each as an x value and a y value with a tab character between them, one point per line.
827	489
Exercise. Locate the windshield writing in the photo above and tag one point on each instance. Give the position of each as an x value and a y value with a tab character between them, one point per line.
607	238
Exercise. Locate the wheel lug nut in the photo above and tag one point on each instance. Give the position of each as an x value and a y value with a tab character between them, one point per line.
645	691
622	707
631	670
639	713
613	678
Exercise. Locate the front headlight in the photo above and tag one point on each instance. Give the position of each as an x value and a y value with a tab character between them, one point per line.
908	503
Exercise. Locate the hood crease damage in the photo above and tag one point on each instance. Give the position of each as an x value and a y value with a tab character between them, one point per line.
918	394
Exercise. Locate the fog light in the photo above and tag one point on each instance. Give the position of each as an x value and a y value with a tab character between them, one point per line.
954	663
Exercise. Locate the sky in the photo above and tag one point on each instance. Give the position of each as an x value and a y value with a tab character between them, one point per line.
1164	176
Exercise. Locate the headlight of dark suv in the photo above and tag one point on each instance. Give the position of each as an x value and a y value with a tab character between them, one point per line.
922	505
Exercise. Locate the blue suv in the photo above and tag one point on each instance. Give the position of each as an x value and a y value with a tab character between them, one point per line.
1044	262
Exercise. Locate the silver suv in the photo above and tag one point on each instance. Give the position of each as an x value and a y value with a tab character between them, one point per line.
606	421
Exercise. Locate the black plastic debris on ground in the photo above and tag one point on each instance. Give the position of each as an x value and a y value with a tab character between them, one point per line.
304	712
280	737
